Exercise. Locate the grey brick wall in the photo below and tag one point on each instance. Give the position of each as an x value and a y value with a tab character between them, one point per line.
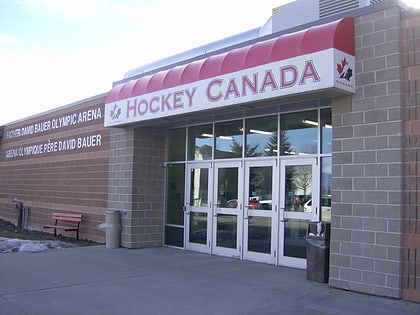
367	164
136	184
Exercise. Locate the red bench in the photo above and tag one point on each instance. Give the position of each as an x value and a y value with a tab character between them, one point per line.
65	217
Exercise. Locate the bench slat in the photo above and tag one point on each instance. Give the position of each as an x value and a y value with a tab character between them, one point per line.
65	217
58	227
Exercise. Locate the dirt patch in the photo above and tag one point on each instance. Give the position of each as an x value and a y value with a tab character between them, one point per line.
9	230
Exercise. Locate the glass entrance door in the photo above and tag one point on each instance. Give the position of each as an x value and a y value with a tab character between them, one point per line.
227	209
298	188
260	211
198	208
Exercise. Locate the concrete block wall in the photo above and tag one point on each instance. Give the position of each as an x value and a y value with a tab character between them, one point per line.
136	184
148	187
410	37
367	164
120	178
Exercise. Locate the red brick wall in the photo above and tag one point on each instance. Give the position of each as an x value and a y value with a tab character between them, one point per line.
410	39
57	161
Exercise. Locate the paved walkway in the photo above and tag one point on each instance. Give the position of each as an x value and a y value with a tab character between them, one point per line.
97	280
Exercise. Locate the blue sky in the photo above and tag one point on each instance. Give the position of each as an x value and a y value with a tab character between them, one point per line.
55	52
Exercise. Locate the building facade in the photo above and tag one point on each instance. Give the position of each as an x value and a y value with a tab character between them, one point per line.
57	162
234	150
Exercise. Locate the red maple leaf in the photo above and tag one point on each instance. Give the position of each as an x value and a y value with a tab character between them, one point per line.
113	110
340	67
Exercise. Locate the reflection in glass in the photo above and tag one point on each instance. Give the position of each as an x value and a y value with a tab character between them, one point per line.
294	238
226	230
175	178
298	187
326	135
227	184
261	136
259	234
260	188
198	228
200	142
176	144
229	139
299	133
326	189
199	187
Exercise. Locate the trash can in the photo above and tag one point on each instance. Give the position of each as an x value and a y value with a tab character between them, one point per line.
112	233
318	251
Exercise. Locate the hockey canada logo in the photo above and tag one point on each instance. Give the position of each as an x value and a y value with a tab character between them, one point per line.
344	70
115	112
345	73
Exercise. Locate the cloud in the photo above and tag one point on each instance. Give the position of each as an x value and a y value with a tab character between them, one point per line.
70	9
34	81
6	40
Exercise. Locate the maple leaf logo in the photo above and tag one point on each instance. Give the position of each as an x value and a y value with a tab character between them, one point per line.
344	70
115	112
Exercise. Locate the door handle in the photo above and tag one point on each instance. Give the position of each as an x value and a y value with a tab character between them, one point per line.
185	209
281	216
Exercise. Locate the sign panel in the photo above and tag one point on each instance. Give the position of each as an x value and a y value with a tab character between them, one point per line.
327	69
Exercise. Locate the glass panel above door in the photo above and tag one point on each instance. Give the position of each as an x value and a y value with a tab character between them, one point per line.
200	142
299	133
229	139
261	136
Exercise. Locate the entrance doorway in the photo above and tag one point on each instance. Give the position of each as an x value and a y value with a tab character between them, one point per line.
298	186
227	210
260	211
254	210
198	208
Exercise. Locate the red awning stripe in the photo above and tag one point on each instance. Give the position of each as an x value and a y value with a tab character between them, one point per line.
338	34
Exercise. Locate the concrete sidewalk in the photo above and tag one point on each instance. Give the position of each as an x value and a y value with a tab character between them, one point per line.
96	280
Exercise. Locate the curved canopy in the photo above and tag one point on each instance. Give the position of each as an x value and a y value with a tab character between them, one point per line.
338	34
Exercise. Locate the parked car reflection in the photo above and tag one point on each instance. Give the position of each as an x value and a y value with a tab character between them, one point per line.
325	204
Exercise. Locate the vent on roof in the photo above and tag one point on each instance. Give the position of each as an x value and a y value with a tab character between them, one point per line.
332	7
328	7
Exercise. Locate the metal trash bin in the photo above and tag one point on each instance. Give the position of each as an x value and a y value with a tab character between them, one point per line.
113	227
318	251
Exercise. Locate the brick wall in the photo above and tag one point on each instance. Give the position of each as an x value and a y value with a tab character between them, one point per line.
136	184
410	36
367	164
57	161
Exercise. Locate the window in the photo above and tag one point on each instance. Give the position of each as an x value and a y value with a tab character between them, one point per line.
326	167
261	136
299	133
200	142
229	139
176	145
174	218
326	130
